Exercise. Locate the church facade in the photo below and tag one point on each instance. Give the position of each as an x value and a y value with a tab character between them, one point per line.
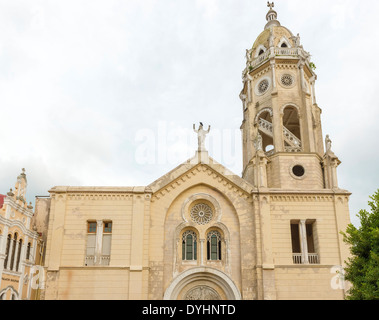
203	232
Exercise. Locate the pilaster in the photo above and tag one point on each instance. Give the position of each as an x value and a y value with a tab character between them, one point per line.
57	231
268	268
137	247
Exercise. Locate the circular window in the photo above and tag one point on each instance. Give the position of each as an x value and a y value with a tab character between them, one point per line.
287	80
298	171
201	213
263	86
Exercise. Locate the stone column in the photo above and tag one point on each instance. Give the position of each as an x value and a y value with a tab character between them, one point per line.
99	241
303	242
202	241
260	169
277	124
272	64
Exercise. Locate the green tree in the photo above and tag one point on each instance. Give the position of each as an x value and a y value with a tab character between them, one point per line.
362	269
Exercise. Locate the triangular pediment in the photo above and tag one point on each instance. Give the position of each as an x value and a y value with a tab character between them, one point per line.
201	162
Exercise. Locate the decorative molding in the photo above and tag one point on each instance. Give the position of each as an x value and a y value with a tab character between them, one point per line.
15	206
193	172
18	224
210	274
282	40
260	47
266	109
99	196
290	104
303	198
290	77
202	293
201	196
286	65
258	87
13	291
261	73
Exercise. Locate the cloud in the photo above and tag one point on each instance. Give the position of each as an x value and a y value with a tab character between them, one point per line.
79	80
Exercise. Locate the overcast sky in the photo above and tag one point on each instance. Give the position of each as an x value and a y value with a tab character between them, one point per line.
105	93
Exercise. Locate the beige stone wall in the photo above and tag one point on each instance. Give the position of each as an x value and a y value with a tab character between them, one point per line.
306	283
146	247
93	284
67	264
279	172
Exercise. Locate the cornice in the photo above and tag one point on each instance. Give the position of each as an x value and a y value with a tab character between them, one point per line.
10	223
326	195
204	168
12	203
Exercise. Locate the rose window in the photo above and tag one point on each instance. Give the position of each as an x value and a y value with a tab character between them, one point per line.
263	86
286	80
201	213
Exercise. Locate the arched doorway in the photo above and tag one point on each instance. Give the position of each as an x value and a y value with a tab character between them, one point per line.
202	284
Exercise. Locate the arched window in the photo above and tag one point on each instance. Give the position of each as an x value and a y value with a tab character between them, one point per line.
28	251
261	52
189	245
19	255
13	251
9	240
214	245
284	45
291	129
266	130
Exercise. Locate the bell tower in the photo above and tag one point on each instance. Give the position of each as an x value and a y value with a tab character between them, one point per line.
283	145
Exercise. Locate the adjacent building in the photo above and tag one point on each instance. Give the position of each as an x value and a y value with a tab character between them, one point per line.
20	245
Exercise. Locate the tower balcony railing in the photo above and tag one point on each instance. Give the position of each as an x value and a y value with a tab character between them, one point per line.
293	149
287	51
276	52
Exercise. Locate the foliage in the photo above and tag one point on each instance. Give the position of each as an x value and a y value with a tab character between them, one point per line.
362	269
312	66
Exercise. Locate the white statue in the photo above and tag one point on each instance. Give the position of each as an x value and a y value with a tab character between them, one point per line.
328	143
258	142
201	133
296	39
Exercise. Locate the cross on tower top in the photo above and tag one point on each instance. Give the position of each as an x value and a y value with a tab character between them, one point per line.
270	5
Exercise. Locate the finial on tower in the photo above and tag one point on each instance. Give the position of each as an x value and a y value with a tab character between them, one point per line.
271	16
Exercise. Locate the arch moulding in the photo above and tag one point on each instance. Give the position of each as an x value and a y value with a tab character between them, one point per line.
202	273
